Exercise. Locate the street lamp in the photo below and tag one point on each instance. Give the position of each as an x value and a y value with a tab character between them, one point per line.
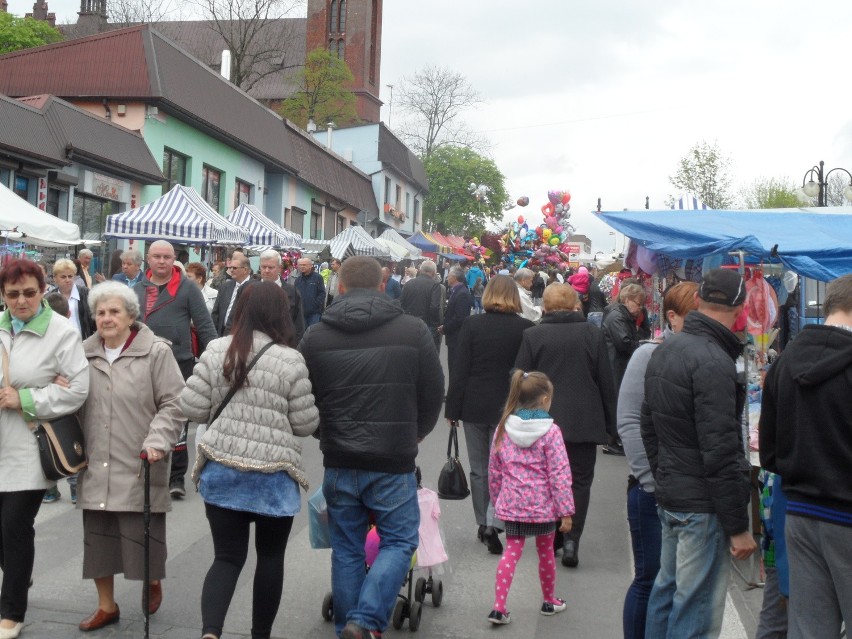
817	188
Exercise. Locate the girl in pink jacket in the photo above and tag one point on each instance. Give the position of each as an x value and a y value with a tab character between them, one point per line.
530	483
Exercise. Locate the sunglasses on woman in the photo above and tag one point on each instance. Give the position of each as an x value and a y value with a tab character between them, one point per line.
28	293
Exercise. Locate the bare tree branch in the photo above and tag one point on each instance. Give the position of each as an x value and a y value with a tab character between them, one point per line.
434	99
129	12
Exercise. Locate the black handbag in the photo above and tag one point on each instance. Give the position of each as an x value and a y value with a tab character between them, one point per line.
61	447
452	482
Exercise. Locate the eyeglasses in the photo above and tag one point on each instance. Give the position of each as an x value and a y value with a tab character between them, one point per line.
234	268
28	293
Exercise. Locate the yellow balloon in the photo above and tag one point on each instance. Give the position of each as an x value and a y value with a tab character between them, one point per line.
546	233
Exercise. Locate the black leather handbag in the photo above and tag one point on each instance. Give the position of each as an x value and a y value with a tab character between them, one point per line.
452	482
61	447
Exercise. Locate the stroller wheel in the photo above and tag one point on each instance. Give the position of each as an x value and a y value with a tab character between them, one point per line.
420	590
398	613
437	592
328	607
414	616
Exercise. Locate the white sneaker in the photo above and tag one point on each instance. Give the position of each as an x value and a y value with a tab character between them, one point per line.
549	609
11	633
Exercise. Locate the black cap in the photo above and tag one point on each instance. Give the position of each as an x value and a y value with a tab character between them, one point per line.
722	286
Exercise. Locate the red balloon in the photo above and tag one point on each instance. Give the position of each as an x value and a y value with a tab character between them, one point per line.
547	209
566	197
520	219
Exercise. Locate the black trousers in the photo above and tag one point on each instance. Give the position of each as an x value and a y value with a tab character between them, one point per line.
230	529
180	457
582	458
17	549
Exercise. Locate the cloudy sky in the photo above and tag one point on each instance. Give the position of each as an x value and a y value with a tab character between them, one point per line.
603	98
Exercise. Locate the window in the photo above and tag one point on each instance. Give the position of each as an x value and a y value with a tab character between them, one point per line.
387	190
90	215
407	202
316	220
296	220
398	201
210	186
333	18
341	16
22	187
243	193
341	223
174	169
341	48
53	196
329	224
416	211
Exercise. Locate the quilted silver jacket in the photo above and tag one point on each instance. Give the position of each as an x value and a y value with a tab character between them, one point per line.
258	429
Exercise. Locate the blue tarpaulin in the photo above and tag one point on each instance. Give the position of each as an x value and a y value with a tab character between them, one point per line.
811	242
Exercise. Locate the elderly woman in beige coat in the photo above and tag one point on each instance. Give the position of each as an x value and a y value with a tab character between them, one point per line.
132	407
249	465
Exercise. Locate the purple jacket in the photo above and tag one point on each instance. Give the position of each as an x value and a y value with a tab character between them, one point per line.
528	475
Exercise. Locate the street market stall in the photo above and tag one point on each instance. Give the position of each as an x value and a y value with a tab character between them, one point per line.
262	232
354	240
412	251
22	222
181	215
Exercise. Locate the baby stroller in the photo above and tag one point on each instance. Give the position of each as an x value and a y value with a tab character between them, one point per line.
409	603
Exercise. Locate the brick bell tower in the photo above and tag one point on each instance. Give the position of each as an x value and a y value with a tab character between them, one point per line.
351	29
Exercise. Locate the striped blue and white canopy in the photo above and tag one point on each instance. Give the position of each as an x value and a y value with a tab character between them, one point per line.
261	230
181	215
354	240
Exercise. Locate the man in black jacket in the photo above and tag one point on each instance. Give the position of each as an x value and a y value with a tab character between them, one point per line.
311	287
378	384
226	301
458	309
270	271
423	298
806	438
691	429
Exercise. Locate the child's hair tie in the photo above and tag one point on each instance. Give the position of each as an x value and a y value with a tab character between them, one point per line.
526	375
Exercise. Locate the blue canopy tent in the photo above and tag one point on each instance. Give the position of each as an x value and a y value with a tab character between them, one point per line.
810	242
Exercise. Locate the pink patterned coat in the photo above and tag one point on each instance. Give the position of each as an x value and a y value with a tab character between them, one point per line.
529	476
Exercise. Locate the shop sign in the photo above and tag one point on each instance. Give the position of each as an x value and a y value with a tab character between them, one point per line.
106	187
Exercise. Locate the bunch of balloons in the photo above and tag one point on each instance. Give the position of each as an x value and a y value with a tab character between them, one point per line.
473	247
544	245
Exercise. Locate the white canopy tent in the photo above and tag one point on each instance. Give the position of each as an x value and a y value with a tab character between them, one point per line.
397	252
263	232
17	216
181	215
354	240
411	251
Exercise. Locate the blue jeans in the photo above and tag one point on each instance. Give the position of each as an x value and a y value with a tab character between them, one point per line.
351	495
477	305
646	535
688	598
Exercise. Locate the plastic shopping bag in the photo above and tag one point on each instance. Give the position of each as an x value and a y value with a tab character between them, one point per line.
318	520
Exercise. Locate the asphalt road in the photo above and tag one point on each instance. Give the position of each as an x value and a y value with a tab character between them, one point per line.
59	598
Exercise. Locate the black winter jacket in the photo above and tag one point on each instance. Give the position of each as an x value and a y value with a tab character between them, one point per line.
805	432
423	298
622	339
572	353
690	423
377	381
485	356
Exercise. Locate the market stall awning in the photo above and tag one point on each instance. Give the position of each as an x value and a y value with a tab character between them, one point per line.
391	235
35	226
811	243
262	231
354	240
426	242
181	215
396	251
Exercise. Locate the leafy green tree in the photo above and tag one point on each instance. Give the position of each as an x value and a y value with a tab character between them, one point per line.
22	33
451	206
771	193
322	93
705	172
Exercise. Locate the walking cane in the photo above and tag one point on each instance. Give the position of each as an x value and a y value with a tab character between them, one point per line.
146	518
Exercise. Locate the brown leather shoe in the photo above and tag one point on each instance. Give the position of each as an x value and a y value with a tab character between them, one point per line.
98	619
155	597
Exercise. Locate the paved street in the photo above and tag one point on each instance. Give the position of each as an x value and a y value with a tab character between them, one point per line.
59	598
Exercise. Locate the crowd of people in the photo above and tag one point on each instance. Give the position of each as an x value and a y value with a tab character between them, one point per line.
541	374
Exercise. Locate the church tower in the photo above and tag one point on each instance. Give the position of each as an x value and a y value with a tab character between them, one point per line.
351	29
92	17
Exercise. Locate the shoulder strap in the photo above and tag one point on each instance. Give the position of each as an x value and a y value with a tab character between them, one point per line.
232	391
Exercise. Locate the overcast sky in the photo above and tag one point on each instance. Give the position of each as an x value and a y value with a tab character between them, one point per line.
604	98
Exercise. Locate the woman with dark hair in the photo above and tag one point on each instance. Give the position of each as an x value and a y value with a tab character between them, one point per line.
114	263
645	527
479	383
45	375
249	466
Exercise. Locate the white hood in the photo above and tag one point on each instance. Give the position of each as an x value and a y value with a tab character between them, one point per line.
526	432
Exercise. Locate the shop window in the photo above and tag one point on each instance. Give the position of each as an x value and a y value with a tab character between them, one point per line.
296	220
329	224
316	220
174	169
211	180
22	187
89	213
53	196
